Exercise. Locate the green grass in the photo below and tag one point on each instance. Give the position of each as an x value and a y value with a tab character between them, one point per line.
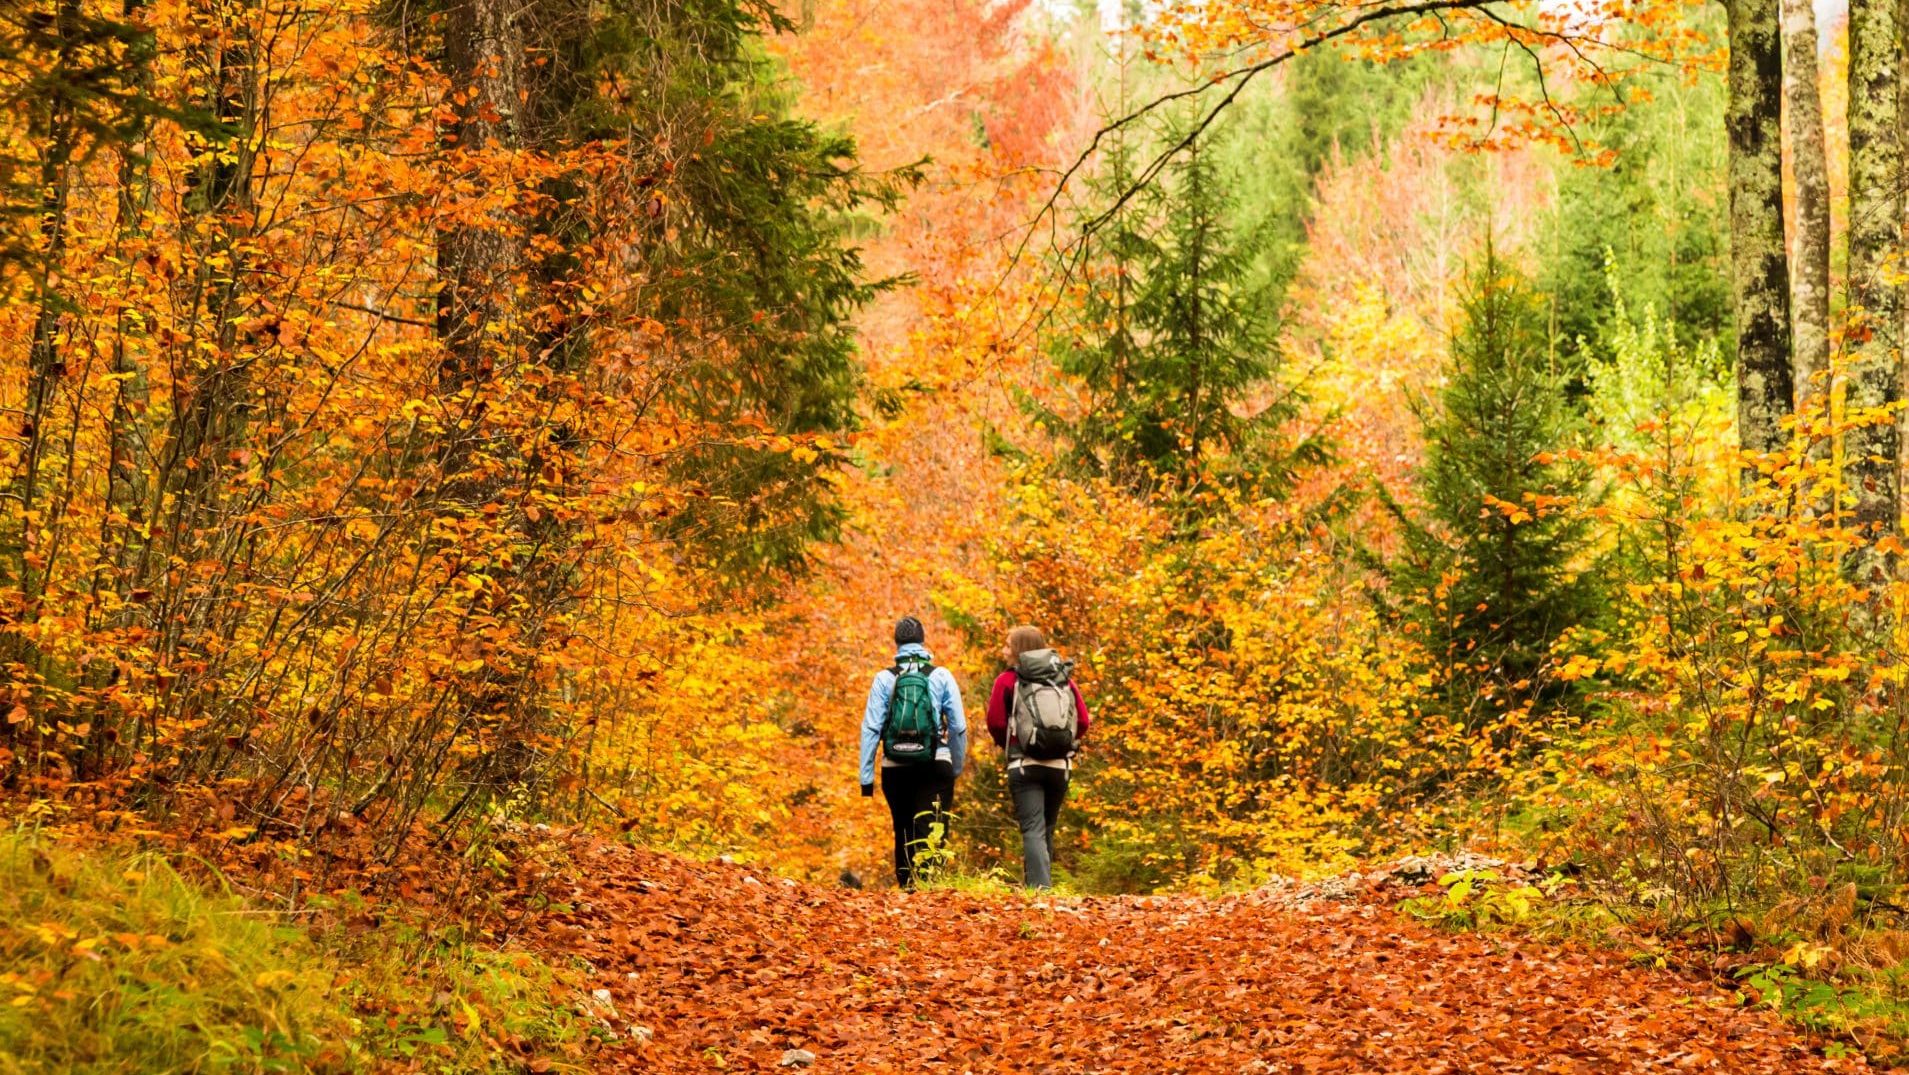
114	961
939	867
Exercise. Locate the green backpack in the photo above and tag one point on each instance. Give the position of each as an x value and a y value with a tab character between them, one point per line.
911	731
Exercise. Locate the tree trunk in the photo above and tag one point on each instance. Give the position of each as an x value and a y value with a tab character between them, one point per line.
1875	305
484	60
210	405
51	126
479	264
1809	162
1759	269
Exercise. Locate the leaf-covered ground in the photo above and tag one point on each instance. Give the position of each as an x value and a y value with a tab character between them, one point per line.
714	967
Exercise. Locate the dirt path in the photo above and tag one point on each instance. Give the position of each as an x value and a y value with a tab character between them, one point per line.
713	968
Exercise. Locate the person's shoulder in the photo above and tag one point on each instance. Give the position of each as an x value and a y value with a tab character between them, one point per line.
1007	676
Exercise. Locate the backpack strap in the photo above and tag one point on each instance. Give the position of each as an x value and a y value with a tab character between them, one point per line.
1007	741
888	708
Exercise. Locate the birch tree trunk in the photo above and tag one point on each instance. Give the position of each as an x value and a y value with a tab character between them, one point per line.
1809	162
1759	265
1875	305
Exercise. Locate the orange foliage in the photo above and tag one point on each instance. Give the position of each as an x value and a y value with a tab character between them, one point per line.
279	540
988	101
722	966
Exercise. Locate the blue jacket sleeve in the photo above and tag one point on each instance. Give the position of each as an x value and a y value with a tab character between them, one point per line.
872	714
956	717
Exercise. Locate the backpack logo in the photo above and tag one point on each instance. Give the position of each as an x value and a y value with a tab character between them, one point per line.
911	731
1044	721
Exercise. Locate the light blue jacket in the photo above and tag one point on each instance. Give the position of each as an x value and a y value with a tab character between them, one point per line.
941	683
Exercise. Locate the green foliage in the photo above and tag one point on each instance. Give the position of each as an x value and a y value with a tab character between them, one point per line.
1476	899
1117	863
1641	372
767	265
943	864
1869	1007
117	962
1652	394
1173	345
1499	565
749	251
1284	136
1660	210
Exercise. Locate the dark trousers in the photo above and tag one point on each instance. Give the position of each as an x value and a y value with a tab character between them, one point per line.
944	795
918	796
1038	791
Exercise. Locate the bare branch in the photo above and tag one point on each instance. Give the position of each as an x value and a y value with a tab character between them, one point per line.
1074	250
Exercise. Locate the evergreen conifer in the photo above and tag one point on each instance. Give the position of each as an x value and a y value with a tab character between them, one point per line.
1497	565
1175	349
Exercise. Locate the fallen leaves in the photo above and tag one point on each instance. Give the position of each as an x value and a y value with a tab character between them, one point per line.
702	963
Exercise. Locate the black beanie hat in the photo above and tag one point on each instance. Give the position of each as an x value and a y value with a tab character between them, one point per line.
909	630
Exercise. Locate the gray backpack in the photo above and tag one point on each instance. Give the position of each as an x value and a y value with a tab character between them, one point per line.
1043	720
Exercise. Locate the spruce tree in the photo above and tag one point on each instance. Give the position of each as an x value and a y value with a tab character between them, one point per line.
1102	347
1172	343
1495	568
748	244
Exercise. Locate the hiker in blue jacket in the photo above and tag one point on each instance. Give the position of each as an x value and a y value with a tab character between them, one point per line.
923	734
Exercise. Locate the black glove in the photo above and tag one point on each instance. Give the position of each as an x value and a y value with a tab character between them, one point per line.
868	791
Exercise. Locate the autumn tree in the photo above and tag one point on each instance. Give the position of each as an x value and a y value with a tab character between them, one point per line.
52	131
399	378
749	216
78	93
76	83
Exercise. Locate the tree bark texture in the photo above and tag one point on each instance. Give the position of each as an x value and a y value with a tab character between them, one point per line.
484	59
1873	451
1759	264
1809	163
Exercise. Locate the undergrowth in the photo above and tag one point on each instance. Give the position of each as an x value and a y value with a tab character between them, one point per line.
940	867
123	960
1817	963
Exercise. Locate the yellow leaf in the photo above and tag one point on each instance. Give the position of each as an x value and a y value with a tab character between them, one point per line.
272	979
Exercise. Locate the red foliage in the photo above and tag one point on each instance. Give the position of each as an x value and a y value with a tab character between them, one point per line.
712	967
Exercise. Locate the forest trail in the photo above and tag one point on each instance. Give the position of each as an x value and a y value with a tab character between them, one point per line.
721	968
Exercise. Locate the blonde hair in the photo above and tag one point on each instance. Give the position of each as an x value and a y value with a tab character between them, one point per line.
1024	639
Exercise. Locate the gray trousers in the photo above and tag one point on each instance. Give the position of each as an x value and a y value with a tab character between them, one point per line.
1038	791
